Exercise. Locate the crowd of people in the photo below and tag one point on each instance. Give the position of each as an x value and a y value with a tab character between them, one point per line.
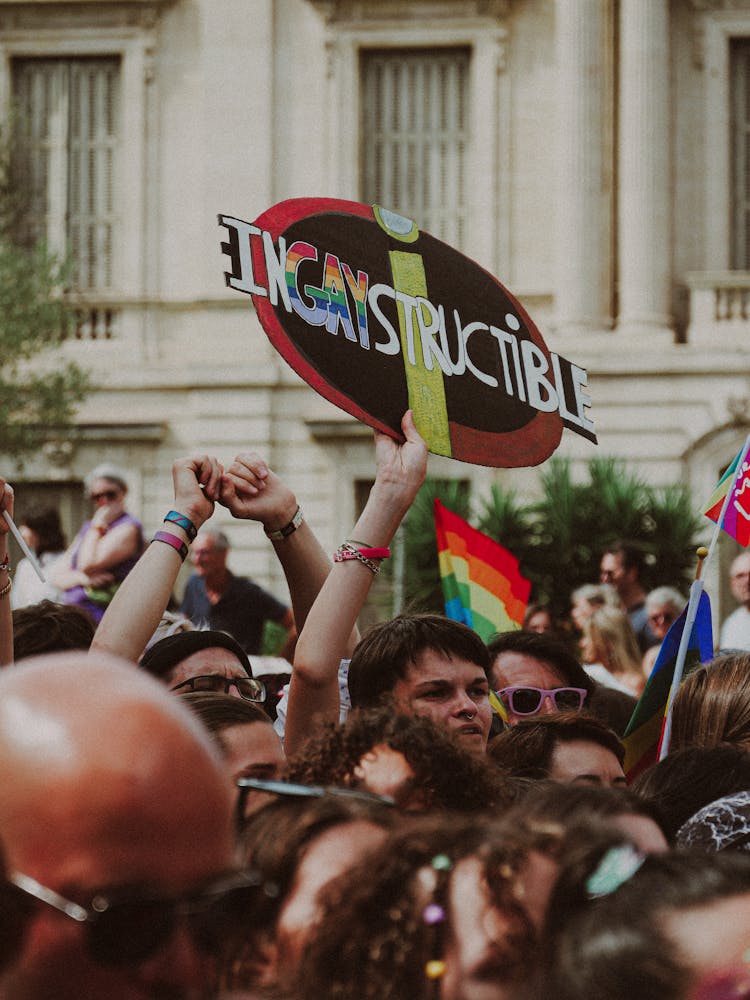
173	826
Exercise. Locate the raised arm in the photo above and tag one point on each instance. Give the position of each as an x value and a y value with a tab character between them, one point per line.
314	692
252	491
6	619
137	607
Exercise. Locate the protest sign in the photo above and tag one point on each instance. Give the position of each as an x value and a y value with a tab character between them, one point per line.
379	317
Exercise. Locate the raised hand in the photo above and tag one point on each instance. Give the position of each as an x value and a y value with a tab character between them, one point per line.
6	504
400	467
197	484
251	491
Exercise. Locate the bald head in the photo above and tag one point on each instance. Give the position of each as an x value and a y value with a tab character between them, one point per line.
87	743
106	780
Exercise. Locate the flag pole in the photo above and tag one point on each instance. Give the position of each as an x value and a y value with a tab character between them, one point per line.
696	589
692	609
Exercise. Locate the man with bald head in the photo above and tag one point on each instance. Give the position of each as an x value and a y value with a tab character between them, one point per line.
116	823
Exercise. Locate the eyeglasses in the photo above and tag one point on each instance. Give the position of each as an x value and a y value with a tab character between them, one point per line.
248	688
528	700
295	790
105	495
127	926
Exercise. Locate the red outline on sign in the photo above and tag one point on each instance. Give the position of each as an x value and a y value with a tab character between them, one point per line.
533	443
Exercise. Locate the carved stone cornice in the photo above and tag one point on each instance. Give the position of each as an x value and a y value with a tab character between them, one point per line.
36	15
344	12
738	408
703	9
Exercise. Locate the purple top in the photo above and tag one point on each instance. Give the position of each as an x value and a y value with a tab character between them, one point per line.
81	596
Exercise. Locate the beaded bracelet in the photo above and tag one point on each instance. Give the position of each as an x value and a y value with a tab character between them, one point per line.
367	557
182	521
6	589
288	529
173	540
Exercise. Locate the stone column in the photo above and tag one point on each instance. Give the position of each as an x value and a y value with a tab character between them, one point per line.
644	202
584	38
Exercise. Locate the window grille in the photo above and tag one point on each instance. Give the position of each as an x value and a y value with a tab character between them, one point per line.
67	125
415	136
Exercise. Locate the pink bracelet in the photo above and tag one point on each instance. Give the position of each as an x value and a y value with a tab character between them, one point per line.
346	551
173	540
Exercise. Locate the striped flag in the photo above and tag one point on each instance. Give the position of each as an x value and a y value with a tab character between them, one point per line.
482	584
736	480
644	731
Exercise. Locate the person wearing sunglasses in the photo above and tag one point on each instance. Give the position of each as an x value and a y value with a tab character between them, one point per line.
541	676
105	549
116	822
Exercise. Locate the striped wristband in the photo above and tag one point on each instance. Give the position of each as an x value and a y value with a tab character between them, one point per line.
174	517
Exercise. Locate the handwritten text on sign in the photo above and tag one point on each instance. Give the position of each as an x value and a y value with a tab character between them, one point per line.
526	374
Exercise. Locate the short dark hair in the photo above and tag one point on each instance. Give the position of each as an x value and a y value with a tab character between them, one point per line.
219	711
525	750
160	659
630	553
45	522
546	649
385	653
48	627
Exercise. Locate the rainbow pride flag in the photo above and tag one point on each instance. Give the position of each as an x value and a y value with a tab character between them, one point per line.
482	584
644	731
737	518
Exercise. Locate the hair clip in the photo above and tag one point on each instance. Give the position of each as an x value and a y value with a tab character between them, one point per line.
435	968
434	881
441	863
617	866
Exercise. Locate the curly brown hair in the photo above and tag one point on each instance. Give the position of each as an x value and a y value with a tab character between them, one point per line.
373	940
446	776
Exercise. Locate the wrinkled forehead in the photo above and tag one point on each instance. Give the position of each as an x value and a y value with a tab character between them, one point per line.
214	660
510	669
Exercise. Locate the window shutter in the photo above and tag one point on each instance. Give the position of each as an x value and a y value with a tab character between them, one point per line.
68	125
415	136
740	69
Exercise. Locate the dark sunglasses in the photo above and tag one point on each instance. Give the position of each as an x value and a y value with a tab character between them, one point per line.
528	700
248	688
125	927
105	495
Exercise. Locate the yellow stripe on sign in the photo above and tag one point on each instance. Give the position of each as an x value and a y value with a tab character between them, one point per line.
425	388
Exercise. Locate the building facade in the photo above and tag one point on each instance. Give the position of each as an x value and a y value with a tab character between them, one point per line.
593	154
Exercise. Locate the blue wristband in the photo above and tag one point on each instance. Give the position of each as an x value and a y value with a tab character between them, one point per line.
174	517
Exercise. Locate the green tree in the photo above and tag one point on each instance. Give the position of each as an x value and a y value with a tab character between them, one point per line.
422	588
558	539
38	393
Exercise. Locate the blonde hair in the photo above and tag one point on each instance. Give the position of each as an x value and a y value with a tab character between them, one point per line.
712	706
613	639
